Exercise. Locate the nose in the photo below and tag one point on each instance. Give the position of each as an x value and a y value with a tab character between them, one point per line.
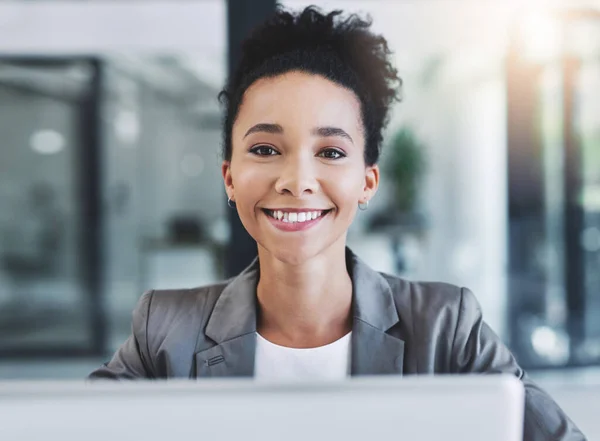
297	177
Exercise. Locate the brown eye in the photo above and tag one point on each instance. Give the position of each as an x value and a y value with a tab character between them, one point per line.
331	154
264	150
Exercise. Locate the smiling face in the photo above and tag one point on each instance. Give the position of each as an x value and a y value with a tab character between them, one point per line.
297	170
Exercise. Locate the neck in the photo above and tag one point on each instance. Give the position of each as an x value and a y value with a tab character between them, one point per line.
305	305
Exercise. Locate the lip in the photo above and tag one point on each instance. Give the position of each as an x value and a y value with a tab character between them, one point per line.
296	210
294	226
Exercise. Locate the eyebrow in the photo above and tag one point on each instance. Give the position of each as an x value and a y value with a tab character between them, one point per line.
331	131
265	128
318	131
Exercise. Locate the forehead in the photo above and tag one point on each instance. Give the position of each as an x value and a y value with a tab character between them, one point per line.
301	101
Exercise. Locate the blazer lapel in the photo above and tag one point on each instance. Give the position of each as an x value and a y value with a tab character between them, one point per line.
232	325
374	351
232	358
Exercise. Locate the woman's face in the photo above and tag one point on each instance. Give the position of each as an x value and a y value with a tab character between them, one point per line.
297	171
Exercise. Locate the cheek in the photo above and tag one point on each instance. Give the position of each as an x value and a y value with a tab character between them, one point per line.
242	175
249	182
345	188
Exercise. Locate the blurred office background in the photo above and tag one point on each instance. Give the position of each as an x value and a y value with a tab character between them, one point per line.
110	170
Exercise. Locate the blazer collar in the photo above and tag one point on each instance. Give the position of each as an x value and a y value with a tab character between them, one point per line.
234	313
374	351
372	296
232	325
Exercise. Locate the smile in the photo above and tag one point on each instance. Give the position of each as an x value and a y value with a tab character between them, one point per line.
295	216
294	220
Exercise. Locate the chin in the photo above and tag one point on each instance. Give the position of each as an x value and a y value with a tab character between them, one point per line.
294	254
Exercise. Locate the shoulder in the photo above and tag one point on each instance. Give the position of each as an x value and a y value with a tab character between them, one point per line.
169	305
430	293
175	314
430	303
434	318
168	323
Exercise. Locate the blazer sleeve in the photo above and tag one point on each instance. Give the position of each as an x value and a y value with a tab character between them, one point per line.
132	360
476	348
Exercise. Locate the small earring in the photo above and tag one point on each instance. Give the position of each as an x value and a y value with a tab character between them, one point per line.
362	206
230	203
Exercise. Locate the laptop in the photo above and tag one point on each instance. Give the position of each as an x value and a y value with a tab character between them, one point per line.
424	408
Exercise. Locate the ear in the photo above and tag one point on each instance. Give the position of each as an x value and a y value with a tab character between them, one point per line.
227	179
371	183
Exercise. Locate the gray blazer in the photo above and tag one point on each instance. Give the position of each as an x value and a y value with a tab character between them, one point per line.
399	327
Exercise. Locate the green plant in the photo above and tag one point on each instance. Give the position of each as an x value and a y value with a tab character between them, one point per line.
405	164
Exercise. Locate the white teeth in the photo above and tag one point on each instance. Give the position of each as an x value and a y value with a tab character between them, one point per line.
303	216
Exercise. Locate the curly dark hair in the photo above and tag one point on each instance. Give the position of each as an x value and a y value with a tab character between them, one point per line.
342	50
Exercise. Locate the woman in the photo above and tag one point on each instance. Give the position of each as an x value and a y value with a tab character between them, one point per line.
305	111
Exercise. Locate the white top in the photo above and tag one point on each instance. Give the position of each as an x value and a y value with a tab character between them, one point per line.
279	363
